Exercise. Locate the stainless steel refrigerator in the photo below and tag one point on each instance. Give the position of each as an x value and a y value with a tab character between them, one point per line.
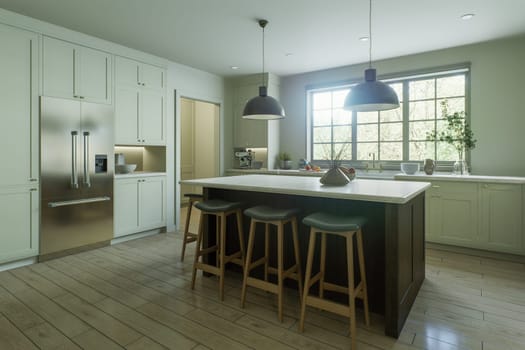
76	174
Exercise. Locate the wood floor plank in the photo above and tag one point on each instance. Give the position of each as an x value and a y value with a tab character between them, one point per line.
46	336
18	313
145	343
43	285
191	329
101	321
154	330
94	340
11	338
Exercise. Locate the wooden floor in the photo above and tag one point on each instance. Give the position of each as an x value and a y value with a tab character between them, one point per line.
136	295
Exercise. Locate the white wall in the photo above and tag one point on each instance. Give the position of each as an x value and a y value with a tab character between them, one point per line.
497	94
184	81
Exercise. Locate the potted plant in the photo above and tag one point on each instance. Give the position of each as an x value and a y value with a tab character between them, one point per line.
458	134
285	161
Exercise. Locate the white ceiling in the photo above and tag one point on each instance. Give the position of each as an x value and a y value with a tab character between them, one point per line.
214	35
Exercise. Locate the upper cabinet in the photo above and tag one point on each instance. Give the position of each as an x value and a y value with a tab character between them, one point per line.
19	106
140	103
74	71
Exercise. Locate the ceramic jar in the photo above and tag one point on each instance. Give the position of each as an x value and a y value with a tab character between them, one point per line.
429	166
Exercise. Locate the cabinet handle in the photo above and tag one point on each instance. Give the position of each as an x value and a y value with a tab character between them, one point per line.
74	170
81	97
436	186
33	180
76	96
32	189
485	186
87	180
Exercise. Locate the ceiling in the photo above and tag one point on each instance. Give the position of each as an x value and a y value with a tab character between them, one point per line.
302	35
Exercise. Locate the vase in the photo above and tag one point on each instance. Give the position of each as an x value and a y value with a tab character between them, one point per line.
429	166
285	164
460	167
334	177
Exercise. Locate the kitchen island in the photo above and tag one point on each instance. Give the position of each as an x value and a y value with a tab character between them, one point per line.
394	235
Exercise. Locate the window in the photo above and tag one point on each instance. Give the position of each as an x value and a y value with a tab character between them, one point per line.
389	136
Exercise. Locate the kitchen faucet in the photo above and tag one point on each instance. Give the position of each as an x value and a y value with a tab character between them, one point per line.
380	167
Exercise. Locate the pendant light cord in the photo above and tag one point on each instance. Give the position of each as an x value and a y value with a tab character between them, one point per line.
263	55
370	36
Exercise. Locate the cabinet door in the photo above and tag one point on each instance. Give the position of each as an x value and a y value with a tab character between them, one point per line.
501	209
58	66
151	77
126	207
452	212
127	115
152	121
152	202
19	106
248	133
126	71
93	82
19	217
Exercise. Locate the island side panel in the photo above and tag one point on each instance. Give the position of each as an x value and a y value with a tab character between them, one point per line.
405	261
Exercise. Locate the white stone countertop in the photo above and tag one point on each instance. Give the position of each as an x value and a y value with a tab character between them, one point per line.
139	174
467	178
384	191
362	174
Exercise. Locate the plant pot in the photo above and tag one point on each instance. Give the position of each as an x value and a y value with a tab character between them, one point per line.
285	164
334	177
429	166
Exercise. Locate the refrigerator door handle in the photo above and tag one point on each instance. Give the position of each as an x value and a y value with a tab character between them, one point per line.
74	170
78	201
87	180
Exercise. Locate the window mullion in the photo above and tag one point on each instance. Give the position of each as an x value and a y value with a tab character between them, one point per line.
406	121
354	135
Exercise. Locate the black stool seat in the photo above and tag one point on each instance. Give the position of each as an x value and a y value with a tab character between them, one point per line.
193	195
217	205
265	213
335	223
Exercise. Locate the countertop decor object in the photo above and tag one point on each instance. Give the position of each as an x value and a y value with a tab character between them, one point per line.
458	134
125	168
410	168
334	177
285	161
263	107
371	95
429	166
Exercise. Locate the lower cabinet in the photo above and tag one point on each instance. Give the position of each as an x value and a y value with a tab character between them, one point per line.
20	221
488	216
140	204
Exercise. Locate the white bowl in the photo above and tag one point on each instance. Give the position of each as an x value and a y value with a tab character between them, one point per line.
410	168
125	168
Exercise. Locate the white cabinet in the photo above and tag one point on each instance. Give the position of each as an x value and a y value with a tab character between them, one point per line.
140	204
501	217
19	217
248	133
140	103
74	71
451	212
19	143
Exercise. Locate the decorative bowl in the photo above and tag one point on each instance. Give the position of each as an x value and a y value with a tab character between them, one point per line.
125	168
257	164
410	168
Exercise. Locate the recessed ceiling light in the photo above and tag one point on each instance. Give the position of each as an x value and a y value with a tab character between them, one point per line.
234	67
288	54
467	16
363	38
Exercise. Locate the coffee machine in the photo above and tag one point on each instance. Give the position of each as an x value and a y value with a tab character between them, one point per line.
243	158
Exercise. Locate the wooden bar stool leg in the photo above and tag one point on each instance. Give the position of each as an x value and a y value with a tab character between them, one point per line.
248	261
197	250
362	271
186	230
308	273
241	236
217	240
280	268
351	294
266	249
322	263
297	257
222	263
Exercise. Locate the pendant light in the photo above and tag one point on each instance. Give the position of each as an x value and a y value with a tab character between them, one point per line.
371	95
263	107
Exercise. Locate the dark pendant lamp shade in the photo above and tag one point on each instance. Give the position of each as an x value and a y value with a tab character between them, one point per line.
372	95
263	107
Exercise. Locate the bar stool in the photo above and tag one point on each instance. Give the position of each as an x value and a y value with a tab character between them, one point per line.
189	236
346	227
278	217
221	210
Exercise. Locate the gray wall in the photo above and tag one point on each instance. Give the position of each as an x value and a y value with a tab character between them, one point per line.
497	95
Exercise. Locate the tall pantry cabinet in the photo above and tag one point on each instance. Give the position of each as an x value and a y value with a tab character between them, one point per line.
19	146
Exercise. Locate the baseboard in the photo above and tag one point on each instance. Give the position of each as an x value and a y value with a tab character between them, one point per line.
19	263
136	236
477	252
